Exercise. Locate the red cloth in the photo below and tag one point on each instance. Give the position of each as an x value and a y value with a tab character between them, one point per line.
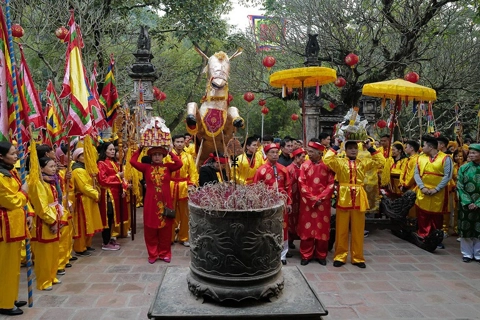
316	183
110	182
266	174
294	172
158	241
151	216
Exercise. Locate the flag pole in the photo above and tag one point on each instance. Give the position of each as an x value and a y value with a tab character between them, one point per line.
20	143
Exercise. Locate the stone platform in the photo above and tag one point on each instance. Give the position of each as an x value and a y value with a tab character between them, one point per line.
173	300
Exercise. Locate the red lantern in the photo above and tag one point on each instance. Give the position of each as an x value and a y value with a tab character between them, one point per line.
340	82
262	102
289	91
163	96
156	93
412	77
265	110
332	105
294	117
351	60
381	124
17	30
249	97
61	33
437	134
268	62
230	98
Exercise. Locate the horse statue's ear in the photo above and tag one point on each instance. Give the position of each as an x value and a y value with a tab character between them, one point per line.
236	54
201	52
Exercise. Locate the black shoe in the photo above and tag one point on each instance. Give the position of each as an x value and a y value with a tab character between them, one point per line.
68	265
323	262
73	258
360	265
20	303
90	249
289	254
284	262
466	259
15	311
304	262
291	245
441	246
61	272
337	264
83	254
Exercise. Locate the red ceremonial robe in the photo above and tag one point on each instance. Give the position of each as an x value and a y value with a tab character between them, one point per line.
316	183
111	184
266	174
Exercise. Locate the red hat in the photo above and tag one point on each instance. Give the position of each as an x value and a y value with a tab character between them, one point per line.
271	146
153	150
316	145
297	151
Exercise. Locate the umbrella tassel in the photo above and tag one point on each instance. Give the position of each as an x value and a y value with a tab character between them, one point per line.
317	90
283	91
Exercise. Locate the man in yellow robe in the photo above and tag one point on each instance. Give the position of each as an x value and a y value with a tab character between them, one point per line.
432	175
247	163
407	181
180	181
443	147
352	199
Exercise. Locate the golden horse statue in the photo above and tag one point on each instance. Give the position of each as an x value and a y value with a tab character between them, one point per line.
215	122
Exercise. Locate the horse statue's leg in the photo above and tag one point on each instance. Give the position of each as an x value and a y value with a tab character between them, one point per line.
191	118
234	116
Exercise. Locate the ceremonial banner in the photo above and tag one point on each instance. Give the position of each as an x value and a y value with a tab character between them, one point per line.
31	102
269	32
55	117
109	99
75	84
98	114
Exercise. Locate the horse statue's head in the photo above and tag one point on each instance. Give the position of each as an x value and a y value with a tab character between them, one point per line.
218	67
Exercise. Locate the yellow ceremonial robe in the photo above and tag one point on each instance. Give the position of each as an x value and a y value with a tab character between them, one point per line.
12	232
86	218
180	180
431	173
246	168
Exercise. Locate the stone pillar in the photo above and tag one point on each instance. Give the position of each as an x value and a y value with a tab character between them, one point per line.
313	104
143	73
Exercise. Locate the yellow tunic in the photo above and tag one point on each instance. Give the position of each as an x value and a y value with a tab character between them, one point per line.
396	171
407	179
86	204
245	171
183	178
431	172
12	232
351	177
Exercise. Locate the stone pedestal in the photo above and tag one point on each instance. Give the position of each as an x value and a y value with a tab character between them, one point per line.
297	300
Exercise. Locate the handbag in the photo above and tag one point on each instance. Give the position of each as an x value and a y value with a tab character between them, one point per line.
168	213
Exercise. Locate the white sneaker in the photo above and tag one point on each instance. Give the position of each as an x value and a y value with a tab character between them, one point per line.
186	244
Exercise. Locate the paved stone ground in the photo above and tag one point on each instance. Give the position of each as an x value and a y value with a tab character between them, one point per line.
401	281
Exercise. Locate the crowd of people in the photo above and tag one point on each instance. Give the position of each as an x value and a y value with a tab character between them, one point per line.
67	206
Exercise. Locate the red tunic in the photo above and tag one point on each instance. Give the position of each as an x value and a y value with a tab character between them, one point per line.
316	182
281	179
294	172
157	197
111	184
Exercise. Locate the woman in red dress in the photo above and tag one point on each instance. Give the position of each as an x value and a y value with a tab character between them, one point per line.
157	228
113	204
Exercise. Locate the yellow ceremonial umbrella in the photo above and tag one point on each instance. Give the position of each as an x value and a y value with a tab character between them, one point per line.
303	78
399	90
406	90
